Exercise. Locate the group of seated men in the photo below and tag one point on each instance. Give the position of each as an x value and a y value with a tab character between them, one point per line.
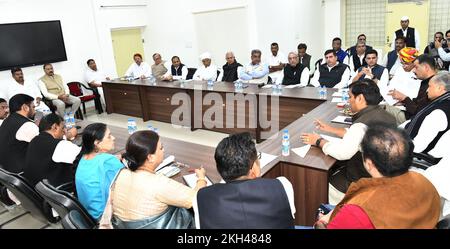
373	184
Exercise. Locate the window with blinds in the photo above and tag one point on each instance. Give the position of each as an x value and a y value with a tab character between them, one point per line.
365	17
439	17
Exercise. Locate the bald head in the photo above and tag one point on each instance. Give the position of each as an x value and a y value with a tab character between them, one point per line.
229	56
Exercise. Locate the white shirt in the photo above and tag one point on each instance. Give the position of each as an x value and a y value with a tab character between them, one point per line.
444	56
347	147
384	77
1	122
396	65
206	73
29	88
433	123
304	78
286	185
350	62
94	76
416	36
137	71
184	72
48	95
344	79
438	175
405	82
27	132
65	152
275	61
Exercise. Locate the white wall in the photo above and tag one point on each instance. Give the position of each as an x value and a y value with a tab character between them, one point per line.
290	22
78	29
169	28
332	22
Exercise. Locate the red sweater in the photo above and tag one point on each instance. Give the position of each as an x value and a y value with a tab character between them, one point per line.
351	217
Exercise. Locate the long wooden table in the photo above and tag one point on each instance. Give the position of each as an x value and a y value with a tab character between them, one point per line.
153	101
309	175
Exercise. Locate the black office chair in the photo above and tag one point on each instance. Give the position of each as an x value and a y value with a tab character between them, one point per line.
75	220
4	198
444	223
424	161
30	200
62	202
217	78
191	72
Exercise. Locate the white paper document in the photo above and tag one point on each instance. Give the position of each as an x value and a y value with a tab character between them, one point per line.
342	120
165	162
191	180
384	90
336	100
291	86
337	94
267	86
302	151
266	159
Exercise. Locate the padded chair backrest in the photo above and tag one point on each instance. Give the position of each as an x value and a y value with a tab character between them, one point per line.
317	64
75	88
444	223
191	72
75	220
30	200
61	201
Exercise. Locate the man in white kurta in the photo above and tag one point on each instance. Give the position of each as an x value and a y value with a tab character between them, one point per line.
206	71
94	78
139	69
30	88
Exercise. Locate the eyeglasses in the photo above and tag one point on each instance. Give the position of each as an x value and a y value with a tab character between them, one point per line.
259	155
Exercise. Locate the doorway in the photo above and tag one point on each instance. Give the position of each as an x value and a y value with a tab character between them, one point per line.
126	43
418	13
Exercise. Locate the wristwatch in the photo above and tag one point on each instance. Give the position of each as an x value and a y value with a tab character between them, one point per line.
318	141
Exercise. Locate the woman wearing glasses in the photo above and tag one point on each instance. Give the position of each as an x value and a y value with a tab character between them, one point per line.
142	199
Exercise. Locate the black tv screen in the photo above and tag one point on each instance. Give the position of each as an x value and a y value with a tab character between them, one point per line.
30	44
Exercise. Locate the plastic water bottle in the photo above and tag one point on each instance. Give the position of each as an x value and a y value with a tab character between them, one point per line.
67	120
279	88
345	96
274	88
131	126
72	119
323	92
238	85
156	130
285	146
149	127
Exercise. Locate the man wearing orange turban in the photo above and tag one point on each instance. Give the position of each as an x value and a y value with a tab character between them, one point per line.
408	55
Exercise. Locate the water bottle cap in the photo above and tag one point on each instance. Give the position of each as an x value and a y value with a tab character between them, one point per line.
286	131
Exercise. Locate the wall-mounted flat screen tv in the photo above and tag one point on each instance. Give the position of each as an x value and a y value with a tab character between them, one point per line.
30	44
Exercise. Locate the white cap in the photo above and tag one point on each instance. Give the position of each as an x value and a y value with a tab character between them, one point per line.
205	55
404	18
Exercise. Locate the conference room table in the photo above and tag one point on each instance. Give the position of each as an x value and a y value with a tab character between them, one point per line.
308	175
159	100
